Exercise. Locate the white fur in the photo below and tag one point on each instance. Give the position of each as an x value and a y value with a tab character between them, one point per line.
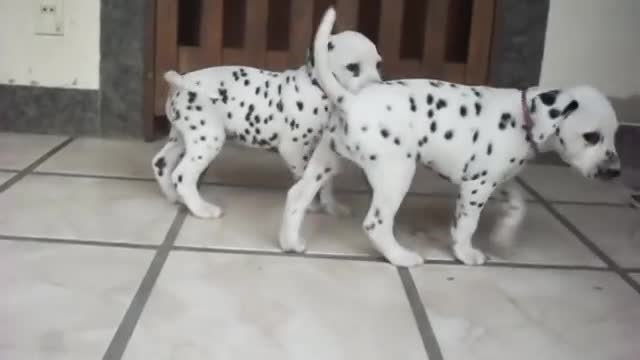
473	136
284	111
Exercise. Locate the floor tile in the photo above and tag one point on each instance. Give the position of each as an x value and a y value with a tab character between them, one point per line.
18	151
494	314
64	301
559	183
107	157
4	176
616	230
220	306
252	220
86	209
244	166
636	277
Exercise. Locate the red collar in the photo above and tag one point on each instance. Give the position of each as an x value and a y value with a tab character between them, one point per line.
528	123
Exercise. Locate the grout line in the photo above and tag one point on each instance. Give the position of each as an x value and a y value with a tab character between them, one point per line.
8	171
24	172
582	237
632	270
429	339
279	253
97	243
276	188
367	258
128	324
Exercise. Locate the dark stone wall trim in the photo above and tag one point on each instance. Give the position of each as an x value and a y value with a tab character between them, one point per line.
49	110
122	48
518	46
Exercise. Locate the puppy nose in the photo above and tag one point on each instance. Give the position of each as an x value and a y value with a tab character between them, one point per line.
612	173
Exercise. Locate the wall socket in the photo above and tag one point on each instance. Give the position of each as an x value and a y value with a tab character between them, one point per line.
49	17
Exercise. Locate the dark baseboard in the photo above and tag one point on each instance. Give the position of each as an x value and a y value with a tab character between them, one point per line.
49	110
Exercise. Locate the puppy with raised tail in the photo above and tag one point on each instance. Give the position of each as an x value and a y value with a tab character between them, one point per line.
284	112
477	137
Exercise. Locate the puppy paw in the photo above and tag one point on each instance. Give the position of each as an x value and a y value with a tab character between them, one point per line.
290	243
469	255
337	209
207	211
405	258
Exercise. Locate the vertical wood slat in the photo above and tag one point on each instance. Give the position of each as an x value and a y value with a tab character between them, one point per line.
480	41
347	14
166	57
255	32
390	31
300	32
211	31
435	38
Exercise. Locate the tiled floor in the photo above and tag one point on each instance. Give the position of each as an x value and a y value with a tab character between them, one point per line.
94	263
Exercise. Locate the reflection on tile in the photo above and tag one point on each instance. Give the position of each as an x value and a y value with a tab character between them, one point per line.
18	151
128	158
220	306
237	165
64	301
494	314
616	230
559	183
86	209
542	240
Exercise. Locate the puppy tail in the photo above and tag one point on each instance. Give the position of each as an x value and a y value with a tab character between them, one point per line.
174	79
337	93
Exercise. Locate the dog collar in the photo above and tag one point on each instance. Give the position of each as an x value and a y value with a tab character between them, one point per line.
528	123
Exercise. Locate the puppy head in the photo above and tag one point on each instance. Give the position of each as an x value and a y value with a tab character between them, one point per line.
581	125
354	60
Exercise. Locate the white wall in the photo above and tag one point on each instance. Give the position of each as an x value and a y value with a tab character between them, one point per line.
69	61
594	42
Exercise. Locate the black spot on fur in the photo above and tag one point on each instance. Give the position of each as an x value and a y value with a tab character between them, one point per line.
441	104
554	113
430	114
549	98
192	97
434	126
412	103
478	108
373	157
229	115
330	46
280	106
384	133
396	141
429	99
354	68
463	111
448	134
300	105
573	106
489	149
315	111
160	164
340	99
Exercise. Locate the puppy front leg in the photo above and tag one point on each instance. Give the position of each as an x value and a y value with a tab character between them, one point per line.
472	199
513	210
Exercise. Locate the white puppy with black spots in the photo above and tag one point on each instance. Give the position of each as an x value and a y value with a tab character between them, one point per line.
279	111
477	137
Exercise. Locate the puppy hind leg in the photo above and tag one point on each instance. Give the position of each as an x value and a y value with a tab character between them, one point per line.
165	161
321	168
295	155
388	193
329	202
201	149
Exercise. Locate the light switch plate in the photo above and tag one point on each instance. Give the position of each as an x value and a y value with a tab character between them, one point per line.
49	17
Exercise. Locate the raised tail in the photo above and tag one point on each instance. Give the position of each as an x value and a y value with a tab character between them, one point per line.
337	93
175	79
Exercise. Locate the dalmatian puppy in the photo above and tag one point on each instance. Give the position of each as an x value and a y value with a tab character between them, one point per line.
477	137
277	111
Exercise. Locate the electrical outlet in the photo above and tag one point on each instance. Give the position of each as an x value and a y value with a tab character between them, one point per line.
49	17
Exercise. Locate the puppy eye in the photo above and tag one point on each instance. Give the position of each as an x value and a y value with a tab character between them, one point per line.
354	68
592	137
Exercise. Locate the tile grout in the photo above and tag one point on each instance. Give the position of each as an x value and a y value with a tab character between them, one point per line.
123	334
428	336
312	255
591	245
276	188
31	167
96	243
